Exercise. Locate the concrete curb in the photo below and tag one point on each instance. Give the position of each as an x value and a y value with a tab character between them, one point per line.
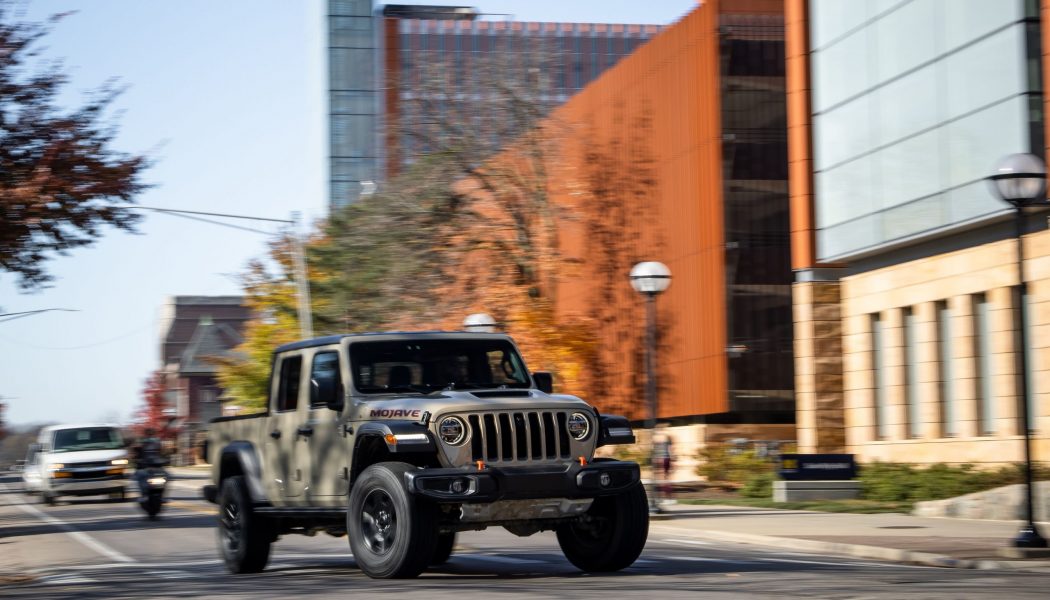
909	557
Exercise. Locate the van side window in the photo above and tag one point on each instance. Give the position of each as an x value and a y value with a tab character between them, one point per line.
325	378
288	388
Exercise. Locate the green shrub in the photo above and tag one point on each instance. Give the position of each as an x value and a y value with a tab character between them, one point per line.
899	482
758	486
720	464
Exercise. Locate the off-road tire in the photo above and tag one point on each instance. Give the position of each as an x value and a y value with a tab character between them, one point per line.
443	549
244	537
610	535
392	533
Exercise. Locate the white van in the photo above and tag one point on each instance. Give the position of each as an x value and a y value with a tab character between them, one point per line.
77	460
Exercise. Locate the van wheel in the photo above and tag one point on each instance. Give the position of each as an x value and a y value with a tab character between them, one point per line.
610	535
244	537
443	549
392	534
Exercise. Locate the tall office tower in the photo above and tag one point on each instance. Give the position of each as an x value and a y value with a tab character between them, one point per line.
375	55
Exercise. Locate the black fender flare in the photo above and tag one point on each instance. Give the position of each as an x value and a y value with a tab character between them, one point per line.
243	453
399	436
614	429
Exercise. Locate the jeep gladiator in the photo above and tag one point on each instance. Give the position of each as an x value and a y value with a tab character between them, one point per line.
401	440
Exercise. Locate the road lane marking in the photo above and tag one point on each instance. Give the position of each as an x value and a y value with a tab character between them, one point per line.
690	542
825	563
714	560
71	531
104	566
65	579
502	559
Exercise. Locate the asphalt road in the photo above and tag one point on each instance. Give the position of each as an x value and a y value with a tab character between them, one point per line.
92	548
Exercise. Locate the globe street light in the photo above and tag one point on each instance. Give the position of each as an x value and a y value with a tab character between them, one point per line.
650	278
1020	179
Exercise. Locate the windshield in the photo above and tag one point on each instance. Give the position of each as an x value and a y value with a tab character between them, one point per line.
87	438
425	366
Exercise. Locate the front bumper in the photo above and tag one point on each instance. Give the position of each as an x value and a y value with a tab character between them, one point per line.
489	484
86	488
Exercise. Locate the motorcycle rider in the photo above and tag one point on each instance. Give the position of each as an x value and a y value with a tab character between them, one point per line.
149	455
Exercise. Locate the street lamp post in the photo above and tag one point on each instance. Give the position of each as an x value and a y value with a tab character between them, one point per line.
1020	179
480	323
650	278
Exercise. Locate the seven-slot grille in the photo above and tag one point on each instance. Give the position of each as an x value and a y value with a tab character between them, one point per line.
519	436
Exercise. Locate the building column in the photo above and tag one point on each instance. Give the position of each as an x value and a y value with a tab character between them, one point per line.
818	367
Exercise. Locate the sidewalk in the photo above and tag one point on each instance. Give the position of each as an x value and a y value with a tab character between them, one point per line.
941	542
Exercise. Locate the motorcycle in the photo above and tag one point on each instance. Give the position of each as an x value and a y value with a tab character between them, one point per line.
152	493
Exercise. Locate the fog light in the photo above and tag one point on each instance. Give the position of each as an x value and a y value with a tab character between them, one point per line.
459	486
605	480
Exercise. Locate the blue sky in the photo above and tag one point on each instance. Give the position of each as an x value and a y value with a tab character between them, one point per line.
228	99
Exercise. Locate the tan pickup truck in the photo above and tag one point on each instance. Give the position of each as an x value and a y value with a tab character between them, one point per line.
402	440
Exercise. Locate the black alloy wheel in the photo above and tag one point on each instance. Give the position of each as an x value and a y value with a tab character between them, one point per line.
244	537
378	521
610	535
392	533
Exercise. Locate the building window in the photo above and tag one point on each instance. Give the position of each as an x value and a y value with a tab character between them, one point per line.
878	363
911	376
949	425
1022	369
982	343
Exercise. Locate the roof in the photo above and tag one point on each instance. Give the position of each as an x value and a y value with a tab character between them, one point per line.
210	339
78	426
335	339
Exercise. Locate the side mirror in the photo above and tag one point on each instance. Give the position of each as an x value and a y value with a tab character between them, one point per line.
544	381
326	392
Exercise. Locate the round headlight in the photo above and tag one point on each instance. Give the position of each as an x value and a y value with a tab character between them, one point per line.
579	426
452	430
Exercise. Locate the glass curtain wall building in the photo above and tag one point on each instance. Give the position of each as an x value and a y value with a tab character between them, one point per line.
375	51
913	102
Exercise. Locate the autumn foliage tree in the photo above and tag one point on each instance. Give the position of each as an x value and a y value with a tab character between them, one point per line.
61	180
151	414
270	293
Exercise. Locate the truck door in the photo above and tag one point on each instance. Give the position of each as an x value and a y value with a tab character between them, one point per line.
328	446
286	418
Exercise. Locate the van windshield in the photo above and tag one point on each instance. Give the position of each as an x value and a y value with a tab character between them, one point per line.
428	365
87	438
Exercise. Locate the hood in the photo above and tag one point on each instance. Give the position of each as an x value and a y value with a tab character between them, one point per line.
410	407
86	456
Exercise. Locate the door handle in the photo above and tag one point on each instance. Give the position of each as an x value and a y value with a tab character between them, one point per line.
276	433
306	430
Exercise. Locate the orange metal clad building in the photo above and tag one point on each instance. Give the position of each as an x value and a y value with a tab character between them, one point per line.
681	151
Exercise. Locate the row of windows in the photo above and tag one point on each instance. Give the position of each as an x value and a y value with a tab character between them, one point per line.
452	43
945	333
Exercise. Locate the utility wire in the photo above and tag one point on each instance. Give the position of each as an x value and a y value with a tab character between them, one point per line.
220	223
29	313
208	214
